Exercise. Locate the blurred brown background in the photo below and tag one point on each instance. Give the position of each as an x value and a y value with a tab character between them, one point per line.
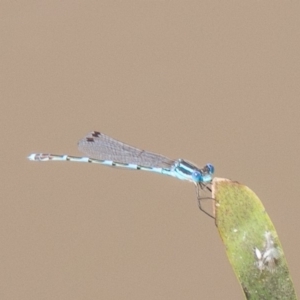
209	82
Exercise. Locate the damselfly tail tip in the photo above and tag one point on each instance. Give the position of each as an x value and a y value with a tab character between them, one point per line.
32	156
38	156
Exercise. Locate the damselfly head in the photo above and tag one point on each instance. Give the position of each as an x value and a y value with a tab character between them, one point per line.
209	169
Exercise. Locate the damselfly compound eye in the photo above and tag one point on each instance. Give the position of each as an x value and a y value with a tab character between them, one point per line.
210	169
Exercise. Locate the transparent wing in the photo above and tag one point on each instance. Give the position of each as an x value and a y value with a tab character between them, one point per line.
100	146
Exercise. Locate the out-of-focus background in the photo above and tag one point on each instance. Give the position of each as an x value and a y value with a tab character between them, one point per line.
205	81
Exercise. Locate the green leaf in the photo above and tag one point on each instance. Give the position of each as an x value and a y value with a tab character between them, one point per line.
251	241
